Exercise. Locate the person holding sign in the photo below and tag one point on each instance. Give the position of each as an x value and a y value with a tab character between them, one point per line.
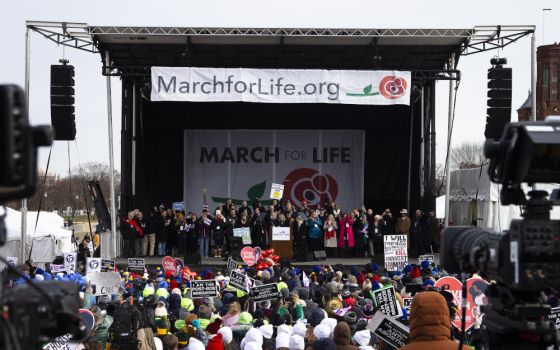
430	324
204	226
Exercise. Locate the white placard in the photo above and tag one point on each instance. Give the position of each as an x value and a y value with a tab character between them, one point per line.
359	87
396	252
104	283
70	262
391	331
244	233
62	343
280	233
276	191
55	268
93	265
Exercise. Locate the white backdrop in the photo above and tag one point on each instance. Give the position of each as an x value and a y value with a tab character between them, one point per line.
314	165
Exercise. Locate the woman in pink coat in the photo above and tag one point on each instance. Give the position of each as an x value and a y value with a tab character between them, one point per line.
346	234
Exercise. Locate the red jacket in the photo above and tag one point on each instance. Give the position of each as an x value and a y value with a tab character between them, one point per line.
345	225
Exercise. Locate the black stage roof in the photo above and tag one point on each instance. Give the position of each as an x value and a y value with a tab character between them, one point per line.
132	50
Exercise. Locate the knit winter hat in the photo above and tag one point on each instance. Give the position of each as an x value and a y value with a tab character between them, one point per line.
180	324
252	346
245	318
363	337
227	334
282	341
162	292
368	311
182	337
195	344
366	285
253	335
322	331
147	291
176	291
267	331
284	328
297	342
299	329
161	311
316	317
215	343
204	312
213	327
331	322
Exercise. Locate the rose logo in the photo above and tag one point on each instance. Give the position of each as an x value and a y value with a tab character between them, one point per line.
307	185
392	87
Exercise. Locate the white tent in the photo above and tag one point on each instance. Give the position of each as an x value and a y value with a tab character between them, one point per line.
474	198
47	241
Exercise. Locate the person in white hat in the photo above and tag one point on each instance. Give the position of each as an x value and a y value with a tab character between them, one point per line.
363	339
297	342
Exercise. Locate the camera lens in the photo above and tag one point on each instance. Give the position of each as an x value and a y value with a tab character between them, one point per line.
462	249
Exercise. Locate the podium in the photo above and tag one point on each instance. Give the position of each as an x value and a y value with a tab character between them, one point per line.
282	242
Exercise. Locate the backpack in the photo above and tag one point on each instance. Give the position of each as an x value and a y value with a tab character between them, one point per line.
126	322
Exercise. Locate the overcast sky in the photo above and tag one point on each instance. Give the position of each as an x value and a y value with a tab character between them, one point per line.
91	108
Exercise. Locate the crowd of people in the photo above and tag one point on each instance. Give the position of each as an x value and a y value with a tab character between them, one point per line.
355	233
322	308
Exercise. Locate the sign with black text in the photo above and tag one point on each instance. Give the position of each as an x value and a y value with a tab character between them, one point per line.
136	265
396	252
265	292
232	264
386	301
240	281
107	265
204	288
105	283
555	316
429	257
393	332
70	261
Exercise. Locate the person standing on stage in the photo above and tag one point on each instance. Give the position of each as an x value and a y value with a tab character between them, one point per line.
418	233
217	230
300	238
387	223
182	236
139	238
204	225
150	234
245	209
330	227
163	233
192	234
402	226
375	241
257	229
346	241
315	232
432	244
361	234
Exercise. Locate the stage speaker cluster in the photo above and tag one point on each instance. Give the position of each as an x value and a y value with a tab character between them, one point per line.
62	102
499	98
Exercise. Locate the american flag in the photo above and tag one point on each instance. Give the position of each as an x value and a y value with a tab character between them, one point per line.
205	202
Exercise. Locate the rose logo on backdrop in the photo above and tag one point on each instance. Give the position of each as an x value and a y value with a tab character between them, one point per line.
392	87
307	185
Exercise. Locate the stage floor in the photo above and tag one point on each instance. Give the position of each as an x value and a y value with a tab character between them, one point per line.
220	263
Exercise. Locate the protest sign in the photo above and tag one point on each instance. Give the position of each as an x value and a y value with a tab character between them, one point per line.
407	305
249	255
64	342
179	264
240	281
70	262
386	301
555	316
56	268
204	288
168	264
265	292
104	283
276	191
429	257
396	252
136	265
280	233
391	331
12	260
232	264
107	265
93	265
244	233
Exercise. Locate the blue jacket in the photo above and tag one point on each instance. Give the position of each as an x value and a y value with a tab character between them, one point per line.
315	228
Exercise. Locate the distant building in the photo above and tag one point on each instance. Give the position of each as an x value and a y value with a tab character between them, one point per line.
524	112
548	83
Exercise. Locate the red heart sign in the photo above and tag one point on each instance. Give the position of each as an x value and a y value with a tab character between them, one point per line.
168	264
248	255
476	296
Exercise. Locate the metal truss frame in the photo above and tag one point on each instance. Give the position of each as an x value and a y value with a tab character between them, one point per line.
82	36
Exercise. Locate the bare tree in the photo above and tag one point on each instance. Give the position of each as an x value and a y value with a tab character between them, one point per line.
440	179
467	155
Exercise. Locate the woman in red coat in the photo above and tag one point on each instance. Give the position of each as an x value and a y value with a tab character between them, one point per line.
346	234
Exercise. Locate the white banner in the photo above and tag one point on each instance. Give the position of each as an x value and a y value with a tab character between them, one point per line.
281	85
396	253
315	166
280	233
104	283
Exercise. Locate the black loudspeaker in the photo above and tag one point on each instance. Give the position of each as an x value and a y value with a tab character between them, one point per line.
62	102
319	255
101	211
194	258
499	101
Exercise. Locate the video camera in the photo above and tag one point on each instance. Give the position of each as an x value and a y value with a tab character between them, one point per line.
524	260
34	313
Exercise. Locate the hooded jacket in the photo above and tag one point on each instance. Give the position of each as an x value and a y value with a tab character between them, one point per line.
342	337
346	231
430	324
